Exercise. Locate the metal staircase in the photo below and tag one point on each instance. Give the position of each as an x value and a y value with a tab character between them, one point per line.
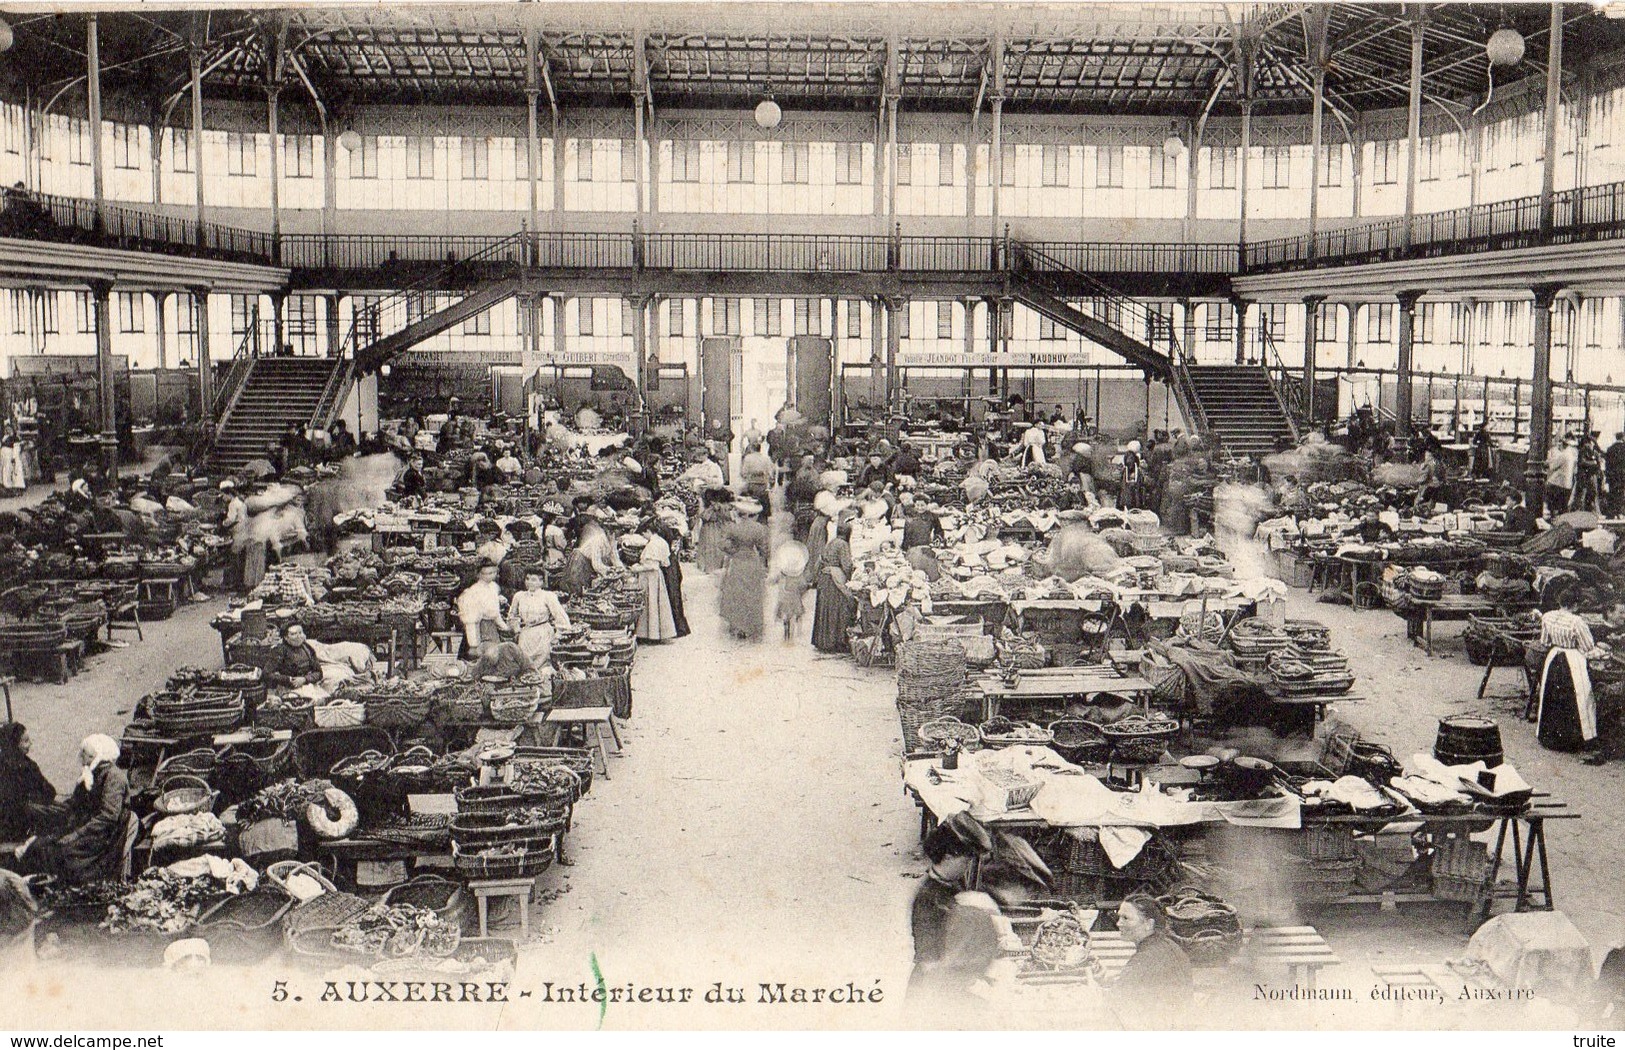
400	321
1125	326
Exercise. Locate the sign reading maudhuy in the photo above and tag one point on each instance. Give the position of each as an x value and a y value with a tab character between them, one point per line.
1014	359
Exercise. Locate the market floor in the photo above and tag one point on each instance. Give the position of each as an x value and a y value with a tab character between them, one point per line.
754	831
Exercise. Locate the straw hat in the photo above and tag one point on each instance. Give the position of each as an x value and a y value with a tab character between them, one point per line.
746	505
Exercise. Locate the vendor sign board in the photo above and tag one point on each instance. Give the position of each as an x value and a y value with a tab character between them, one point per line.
1015	359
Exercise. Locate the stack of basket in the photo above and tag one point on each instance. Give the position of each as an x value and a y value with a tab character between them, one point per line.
1460	869
930	684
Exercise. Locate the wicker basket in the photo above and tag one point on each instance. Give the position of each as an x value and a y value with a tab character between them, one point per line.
935	734
613	690
931	659
1022	655
246	928
1460	868
184	793
1206	927
447	899
1320	881
294	712
514	707
1328	842
196	712
997	732
340	714
1078	741
474	832
395	711
577	760
513	862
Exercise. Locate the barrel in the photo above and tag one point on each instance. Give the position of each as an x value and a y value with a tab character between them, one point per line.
1465	739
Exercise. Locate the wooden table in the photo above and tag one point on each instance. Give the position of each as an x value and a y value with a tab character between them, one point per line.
1424	611
1059	684
1527	832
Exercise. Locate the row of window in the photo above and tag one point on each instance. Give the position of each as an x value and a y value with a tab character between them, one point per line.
38	313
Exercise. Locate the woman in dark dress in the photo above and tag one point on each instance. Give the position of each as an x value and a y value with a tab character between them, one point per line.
1158	970
674	574
836	609
93	846
22	785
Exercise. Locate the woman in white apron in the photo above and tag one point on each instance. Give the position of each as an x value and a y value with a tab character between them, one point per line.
1567	716
537	614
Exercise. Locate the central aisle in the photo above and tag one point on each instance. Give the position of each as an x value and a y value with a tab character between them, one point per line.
754	830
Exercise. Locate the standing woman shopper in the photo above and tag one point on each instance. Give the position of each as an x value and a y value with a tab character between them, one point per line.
673	572
655	623
742	590
716	514
836	609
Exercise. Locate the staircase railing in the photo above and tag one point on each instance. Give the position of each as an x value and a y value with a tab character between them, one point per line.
1287	390
338	382
396	311
242	362
1185	392
1106	304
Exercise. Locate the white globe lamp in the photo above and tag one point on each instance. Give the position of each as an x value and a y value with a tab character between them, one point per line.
1504	47
7	38
350	140
768	114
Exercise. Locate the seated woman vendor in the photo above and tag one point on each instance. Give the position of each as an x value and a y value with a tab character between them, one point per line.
1158	966
91	846
1373	529
294	663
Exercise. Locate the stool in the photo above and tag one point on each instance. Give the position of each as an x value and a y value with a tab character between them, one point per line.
594	719
485	889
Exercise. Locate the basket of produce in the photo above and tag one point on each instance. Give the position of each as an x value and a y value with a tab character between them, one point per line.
196	712
1204	926
1060	943
428	831
291	711
32	634
245	768
544	781
367	780
1021	654
183	793
1006	789
577	760
515	861
934	735
336	713
1000	731
532	826
382	931
1078	741
513	706
1140	727
485	958
447	899
461	703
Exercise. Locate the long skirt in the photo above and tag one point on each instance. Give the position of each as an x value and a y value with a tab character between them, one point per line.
655	623
536	642
833	615
1566	719
742	595
674	592
708	546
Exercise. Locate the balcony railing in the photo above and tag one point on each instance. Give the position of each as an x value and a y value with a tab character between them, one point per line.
75	220
1590	213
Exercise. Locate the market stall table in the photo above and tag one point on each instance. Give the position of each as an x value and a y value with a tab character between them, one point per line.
1302	950
1527	832
1422	613
1058	685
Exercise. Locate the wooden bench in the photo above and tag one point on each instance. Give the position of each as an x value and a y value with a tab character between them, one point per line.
1300	949
62	658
